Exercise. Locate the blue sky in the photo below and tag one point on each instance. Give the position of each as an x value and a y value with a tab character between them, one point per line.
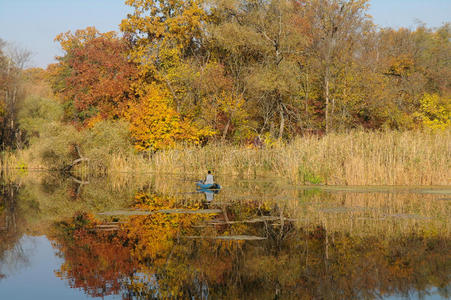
33	24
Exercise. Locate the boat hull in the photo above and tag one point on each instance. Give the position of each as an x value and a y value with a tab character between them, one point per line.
203	186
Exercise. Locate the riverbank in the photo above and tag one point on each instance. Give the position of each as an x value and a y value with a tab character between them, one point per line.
356	158
353	158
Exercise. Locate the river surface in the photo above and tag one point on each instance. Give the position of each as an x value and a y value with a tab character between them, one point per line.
157	237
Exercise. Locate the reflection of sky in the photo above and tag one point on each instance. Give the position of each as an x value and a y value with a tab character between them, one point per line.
16	258
432	294
36	279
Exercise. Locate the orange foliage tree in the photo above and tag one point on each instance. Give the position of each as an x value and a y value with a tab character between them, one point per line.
94	75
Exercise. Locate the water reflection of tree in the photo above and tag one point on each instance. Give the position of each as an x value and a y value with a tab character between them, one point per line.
152	256
55	198
11	252
29	207
96	261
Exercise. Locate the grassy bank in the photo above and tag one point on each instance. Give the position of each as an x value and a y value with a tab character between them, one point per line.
355	158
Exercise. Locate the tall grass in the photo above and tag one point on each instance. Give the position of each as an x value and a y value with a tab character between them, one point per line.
354	158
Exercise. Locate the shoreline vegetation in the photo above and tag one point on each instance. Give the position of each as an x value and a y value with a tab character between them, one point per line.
312	92
353	158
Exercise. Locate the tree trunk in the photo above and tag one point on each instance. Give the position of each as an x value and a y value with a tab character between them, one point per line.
226	129
306	95
271	129
282	122
326	95
75	162
332	113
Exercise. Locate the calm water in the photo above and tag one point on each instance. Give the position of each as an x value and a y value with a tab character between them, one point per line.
157	237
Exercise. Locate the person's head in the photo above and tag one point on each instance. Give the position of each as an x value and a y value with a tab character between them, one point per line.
209	172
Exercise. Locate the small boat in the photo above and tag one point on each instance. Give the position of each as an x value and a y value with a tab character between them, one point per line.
212	186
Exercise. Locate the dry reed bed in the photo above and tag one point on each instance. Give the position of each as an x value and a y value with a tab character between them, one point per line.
355	158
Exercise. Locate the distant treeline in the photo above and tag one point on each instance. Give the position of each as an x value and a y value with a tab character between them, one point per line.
241	71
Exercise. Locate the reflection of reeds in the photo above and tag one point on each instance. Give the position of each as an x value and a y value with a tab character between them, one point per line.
385	211
363	211
387	214
7	161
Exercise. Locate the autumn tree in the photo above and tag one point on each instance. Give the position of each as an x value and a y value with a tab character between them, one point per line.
258	43
337	28
414	62
12	63
434	57
162	34
94	76
3	86
165	36
186	71
435	112
155	125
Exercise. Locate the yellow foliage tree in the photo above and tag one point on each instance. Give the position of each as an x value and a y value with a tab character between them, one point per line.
233	108
2	109
162	28
155	125
435	111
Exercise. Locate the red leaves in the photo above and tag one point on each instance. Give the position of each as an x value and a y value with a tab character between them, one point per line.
96	75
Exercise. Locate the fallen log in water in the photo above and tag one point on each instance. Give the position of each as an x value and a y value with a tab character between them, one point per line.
228	237
107	226
256	220
125	213
106	229
190	211
165	211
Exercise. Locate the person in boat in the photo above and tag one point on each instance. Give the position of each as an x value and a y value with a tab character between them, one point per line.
209	179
